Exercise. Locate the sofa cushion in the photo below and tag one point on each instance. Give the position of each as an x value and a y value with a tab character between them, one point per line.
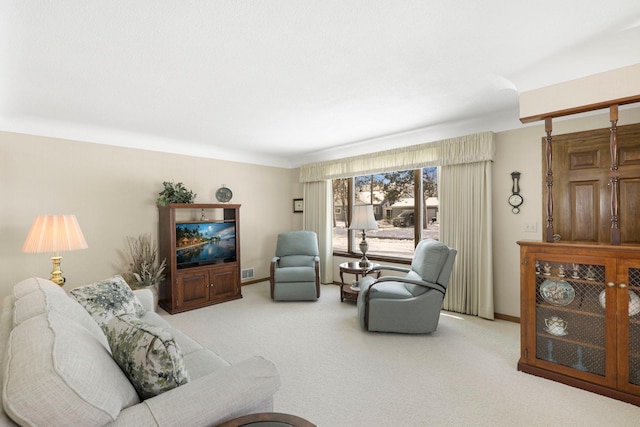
297	261
148	355
49	381
107	299
35	283
295	274
416	290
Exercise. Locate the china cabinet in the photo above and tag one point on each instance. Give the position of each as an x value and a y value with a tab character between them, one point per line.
580	316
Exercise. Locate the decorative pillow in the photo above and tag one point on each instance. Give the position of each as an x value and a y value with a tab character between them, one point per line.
107	299
148	355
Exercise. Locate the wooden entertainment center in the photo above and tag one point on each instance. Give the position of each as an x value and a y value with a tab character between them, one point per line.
209	279
580	287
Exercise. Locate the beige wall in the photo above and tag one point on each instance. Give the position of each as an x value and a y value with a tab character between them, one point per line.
112	191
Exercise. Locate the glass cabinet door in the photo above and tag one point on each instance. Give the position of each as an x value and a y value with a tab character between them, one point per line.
574	329
629	325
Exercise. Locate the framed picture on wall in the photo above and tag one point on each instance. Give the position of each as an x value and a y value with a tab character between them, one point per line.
298	205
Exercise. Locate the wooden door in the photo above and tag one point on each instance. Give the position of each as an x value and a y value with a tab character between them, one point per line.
581	190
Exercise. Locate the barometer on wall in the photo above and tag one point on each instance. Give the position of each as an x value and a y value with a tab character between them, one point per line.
515	199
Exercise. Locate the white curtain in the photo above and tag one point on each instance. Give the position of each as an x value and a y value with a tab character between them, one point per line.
318	207
465	224
465	211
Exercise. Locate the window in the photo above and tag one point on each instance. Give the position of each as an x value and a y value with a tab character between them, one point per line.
401	221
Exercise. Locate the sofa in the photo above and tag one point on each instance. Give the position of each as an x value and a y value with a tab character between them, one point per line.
58	367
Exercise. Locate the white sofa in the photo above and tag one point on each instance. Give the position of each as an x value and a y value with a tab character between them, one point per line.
57	370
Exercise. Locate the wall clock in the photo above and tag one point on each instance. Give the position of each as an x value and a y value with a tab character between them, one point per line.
223	194
515	199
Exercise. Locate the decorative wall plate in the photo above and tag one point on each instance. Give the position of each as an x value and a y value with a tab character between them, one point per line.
557	292
223	194
634	302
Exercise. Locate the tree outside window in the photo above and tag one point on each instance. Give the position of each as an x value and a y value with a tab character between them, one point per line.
393	196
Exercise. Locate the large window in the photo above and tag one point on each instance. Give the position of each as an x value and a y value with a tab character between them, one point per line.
405	212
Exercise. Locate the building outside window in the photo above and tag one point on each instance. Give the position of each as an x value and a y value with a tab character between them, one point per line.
401	221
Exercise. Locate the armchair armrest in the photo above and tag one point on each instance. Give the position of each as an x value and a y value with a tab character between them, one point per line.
391	267
219	396
424	284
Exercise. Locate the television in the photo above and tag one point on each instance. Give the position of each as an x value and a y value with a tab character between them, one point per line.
205	243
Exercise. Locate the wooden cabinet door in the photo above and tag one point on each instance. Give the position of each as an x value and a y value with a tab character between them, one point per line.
581	165
628	317
193	289
224	282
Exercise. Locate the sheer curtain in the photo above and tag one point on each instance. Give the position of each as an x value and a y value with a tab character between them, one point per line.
318	206
465	224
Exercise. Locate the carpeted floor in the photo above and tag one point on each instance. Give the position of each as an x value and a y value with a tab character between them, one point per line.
334	374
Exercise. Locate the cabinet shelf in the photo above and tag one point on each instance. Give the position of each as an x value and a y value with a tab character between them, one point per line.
566	309
570	340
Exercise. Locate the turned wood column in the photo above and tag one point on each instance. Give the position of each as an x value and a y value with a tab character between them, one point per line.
614	175
548	155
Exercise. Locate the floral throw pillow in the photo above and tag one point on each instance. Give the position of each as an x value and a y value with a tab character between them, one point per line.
147	354
108	298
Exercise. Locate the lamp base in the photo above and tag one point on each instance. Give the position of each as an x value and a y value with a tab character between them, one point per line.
364	247
56	273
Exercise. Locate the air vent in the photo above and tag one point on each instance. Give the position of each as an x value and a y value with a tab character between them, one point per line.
247	273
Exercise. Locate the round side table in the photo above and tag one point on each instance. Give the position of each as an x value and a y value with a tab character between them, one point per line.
354	267
268	419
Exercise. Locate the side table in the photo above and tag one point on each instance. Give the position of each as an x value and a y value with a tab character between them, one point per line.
268	419
346	292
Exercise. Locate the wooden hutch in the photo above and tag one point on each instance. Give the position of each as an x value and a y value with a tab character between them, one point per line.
580	287
211	272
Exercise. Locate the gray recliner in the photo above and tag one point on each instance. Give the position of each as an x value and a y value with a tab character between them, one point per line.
295	270
409	304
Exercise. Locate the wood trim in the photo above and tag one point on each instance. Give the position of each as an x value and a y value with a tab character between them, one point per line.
578	383
614	176
582	109
506	317
548	128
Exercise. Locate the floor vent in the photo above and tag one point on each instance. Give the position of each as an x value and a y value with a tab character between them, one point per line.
247	273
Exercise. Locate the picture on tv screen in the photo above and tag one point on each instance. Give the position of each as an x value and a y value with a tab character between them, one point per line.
205	243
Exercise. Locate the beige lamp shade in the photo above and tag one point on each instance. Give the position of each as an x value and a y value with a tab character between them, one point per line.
54	233
362	218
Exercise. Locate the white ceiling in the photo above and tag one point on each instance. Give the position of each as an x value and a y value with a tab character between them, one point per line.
288	82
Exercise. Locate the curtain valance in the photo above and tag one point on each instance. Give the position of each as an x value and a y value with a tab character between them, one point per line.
465	149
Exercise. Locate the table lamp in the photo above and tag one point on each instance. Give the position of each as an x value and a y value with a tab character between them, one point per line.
55	233
363	219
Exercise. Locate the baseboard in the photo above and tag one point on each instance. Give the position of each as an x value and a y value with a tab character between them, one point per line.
506	317
251	282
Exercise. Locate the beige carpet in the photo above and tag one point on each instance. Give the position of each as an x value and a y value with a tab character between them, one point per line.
335	374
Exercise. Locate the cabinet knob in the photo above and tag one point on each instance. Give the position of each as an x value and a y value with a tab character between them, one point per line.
623	285
611	284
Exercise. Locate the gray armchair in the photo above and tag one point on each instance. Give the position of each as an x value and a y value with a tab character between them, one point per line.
295	270
410	304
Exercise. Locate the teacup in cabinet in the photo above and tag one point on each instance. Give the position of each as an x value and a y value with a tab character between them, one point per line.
556	326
